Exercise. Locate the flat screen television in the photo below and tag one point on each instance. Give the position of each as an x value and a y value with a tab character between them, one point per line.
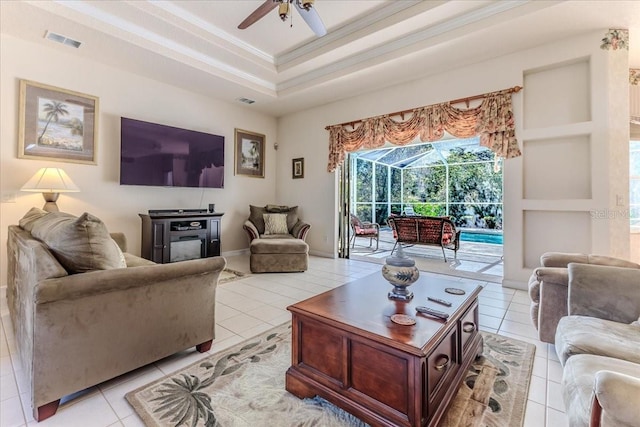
160	155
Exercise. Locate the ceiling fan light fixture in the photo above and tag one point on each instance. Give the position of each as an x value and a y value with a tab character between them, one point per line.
306	4
283	10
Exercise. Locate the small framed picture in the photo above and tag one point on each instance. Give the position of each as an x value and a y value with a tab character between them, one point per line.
297	168
249	153
57	124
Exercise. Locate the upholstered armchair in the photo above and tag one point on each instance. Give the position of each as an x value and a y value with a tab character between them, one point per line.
255	226
548	288
277	239
598	344
370	230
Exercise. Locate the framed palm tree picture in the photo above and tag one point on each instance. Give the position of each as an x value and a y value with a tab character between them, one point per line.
249	153
57	124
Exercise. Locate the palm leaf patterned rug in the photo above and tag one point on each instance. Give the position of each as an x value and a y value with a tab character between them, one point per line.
245	386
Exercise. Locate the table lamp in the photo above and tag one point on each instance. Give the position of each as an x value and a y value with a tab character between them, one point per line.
50	182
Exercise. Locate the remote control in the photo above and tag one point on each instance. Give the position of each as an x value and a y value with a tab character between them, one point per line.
439	301
431	312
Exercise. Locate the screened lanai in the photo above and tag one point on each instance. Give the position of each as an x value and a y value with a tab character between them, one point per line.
455	177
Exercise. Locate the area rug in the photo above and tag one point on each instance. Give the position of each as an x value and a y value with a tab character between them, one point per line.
229	275
244	386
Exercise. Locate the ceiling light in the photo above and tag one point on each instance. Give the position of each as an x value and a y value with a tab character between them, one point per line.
62	39
283	10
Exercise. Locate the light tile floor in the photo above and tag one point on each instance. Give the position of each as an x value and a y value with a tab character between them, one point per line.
251	305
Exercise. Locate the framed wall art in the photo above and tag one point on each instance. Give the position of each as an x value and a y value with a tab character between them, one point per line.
57	124
249	153
297	168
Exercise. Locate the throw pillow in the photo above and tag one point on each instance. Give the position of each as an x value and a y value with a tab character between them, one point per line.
80	244
256	217
277	208
292	217
27	221
292	214
275	224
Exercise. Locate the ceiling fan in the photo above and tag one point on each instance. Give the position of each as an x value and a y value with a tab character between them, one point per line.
304	8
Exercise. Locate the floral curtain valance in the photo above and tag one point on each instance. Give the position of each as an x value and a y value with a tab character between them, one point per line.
492	120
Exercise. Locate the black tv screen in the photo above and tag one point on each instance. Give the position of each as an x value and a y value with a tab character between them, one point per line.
159	155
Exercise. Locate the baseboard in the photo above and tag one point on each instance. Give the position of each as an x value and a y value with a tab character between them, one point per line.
514	284
235	253
322	254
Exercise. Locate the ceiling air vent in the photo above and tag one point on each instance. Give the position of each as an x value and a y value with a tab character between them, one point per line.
62	39
246	100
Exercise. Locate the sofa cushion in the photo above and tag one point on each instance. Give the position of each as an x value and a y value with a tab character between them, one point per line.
590	335
279	246
275	223
27	221
578	379
80	243
256	217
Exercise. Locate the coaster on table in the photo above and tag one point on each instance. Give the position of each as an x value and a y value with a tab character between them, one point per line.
455	291
403	319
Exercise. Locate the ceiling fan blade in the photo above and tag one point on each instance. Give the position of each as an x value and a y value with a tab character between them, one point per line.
261	11
312	19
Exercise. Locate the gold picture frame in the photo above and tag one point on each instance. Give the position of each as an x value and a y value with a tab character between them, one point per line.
297	168
249	153
57	124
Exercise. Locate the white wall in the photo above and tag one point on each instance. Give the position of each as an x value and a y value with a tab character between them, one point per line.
124	94
303	134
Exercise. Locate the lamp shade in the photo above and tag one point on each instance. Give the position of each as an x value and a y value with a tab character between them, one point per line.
50	180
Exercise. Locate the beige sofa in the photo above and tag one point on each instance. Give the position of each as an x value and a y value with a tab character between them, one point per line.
76	330
598	344
548	288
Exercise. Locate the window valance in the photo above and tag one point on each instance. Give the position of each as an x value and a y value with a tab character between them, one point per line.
492	120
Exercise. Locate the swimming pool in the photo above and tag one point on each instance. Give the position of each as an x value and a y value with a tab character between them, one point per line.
481	237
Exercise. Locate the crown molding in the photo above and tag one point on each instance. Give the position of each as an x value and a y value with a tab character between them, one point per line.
229	72
366	22
229	39
402	42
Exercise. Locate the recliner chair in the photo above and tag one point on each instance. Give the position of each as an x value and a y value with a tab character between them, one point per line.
548	288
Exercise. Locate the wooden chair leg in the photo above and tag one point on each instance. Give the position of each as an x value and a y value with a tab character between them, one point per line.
596	412
204	347
45	411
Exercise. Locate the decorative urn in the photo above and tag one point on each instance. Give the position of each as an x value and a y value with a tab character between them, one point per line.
401	272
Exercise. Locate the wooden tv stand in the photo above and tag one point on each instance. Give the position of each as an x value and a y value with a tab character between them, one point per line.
346	350
170	236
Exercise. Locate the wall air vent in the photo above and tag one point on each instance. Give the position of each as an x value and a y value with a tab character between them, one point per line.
62	39
246	100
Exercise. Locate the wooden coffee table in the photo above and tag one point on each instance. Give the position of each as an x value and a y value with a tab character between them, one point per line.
347	350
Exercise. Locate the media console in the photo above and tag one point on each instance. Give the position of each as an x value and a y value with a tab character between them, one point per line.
180	234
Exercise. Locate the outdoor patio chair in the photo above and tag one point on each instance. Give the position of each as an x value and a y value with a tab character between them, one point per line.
364	229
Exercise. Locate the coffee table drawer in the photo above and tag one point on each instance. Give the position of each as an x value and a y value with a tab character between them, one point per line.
468	328
442	363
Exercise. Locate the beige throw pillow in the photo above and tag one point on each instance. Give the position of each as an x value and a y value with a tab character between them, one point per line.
27	221
275	224
80	244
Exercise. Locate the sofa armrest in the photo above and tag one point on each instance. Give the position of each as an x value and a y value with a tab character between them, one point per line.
300	230
98	282
252	231
121	240
618	396
562	259
555	275
610	293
